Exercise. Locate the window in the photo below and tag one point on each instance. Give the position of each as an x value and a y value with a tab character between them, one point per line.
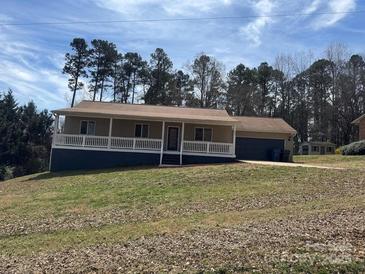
315	148
329	149
87	128
203	134
207	134
199	134
141	131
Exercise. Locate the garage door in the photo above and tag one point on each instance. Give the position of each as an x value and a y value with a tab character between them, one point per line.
257	149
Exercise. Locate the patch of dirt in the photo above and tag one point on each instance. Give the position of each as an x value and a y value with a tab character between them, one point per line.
336	238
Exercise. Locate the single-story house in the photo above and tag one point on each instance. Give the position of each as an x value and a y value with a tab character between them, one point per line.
99	135
360	122
317	148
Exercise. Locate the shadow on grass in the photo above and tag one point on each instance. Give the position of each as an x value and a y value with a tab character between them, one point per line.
50	175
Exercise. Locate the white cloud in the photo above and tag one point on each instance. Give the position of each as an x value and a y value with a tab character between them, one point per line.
254	29
313	6
33	83
339	8
136	8
191	7
27	73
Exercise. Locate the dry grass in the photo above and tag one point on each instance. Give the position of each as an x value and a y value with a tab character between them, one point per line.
341	161
116	215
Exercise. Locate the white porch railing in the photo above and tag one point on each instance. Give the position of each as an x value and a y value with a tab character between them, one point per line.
106	142
126	143
68	140
208	147
135	143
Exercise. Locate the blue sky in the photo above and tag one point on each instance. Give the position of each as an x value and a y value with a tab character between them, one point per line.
31	57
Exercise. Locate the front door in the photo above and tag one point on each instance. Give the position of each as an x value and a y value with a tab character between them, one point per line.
323	150
172	138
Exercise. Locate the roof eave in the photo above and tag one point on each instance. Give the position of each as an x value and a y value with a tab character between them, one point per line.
358	120
269	131
153	118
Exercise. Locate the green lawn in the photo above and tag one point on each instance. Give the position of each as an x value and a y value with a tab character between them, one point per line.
176	219
334	160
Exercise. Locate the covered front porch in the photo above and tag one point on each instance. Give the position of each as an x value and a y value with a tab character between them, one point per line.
177	138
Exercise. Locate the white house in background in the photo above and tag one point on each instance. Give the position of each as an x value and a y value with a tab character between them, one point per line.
317	148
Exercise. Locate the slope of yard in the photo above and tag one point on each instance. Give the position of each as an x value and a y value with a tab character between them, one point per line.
234	218
340	161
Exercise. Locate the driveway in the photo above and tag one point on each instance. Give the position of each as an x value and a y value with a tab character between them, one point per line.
268	163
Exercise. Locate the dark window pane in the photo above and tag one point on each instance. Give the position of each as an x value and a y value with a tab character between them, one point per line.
145	131
198	134
137	132
207	134
91	128
83	128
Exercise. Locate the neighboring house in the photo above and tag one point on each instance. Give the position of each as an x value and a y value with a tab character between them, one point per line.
360	122
103	135
316	148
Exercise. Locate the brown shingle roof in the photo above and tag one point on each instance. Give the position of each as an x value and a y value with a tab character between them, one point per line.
148	111
263	124
357	121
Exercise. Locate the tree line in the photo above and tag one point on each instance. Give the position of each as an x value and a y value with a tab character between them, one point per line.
121	76
319	99
25	138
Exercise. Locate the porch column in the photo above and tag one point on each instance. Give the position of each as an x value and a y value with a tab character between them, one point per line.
56	125
162	141
234	140
182	142
110	132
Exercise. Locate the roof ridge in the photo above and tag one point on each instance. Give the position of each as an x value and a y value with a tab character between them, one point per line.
260	117
184	107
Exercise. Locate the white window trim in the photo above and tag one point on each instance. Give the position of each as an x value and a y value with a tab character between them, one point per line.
87	127
142	124
204	128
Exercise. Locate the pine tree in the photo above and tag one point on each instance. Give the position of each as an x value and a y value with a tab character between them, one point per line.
76	64
160	73
25	138
103	56
10	130
242	84
179	88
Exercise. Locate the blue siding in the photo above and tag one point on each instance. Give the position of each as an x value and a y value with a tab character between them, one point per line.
191	159
72	159
257	149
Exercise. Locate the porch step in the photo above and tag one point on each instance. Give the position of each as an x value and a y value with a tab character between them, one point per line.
171	159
